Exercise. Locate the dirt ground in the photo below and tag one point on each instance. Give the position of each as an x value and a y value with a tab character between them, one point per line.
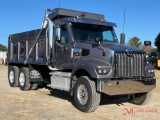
58	105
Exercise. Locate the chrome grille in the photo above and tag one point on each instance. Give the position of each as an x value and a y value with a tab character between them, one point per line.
132	65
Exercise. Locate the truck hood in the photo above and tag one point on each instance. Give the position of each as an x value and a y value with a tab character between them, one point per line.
119	47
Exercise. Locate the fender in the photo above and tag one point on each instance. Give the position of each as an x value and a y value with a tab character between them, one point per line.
148	68
90	66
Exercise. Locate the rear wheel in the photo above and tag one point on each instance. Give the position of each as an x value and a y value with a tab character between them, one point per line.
13	72
141	99
86	97
24	82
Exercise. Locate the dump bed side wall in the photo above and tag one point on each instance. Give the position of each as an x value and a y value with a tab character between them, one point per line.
20	44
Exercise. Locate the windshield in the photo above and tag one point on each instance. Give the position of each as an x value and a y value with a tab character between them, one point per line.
86	32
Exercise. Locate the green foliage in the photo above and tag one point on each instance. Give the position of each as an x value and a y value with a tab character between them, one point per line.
135	42
157	40
3	48
154	50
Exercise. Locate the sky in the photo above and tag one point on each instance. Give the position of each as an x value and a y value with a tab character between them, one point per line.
142	17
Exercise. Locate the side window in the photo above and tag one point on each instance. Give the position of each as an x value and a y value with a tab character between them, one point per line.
64	35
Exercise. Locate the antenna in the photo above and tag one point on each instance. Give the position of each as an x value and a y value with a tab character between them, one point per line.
124	18
59	3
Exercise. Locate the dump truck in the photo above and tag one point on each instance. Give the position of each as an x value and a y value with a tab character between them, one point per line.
79	52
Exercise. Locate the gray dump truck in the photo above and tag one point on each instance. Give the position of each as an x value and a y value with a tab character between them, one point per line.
79	52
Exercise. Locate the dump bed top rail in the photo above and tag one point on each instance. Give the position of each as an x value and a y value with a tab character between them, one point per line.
29	35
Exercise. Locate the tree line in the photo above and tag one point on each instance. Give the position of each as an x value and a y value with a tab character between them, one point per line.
157	42
3	48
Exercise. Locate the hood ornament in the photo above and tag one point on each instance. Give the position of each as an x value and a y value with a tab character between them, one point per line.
129	52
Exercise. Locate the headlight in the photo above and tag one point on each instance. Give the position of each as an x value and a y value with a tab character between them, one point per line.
151	71
103	71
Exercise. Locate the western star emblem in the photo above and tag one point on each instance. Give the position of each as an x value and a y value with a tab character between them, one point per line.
129	52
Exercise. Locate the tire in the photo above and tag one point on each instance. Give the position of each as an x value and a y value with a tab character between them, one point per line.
13	72
24	83
141	99
86	97
34	86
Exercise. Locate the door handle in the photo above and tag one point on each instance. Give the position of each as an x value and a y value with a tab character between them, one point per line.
65	48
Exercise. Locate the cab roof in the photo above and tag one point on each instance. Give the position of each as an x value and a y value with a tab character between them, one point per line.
61	13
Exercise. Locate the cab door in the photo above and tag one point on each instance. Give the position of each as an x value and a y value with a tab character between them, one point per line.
63	49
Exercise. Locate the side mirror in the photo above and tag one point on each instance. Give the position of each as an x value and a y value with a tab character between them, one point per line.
122	38
48	10
147	43
58	33
98	40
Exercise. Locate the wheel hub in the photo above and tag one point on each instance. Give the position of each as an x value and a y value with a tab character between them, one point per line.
11	76
22	79
82	94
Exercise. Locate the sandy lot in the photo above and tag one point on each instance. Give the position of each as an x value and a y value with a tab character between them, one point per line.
58	105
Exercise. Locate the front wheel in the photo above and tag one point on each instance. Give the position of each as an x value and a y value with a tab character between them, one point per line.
141	99
86	97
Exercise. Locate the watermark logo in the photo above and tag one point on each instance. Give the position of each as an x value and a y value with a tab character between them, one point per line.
129	111
135	111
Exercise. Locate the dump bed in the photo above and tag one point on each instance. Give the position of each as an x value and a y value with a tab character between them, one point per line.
20	44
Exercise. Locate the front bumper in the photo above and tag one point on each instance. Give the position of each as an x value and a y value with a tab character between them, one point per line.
122	87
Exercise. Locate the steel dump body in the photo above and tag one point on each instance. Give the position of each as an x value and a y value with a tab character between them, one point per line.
21	43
